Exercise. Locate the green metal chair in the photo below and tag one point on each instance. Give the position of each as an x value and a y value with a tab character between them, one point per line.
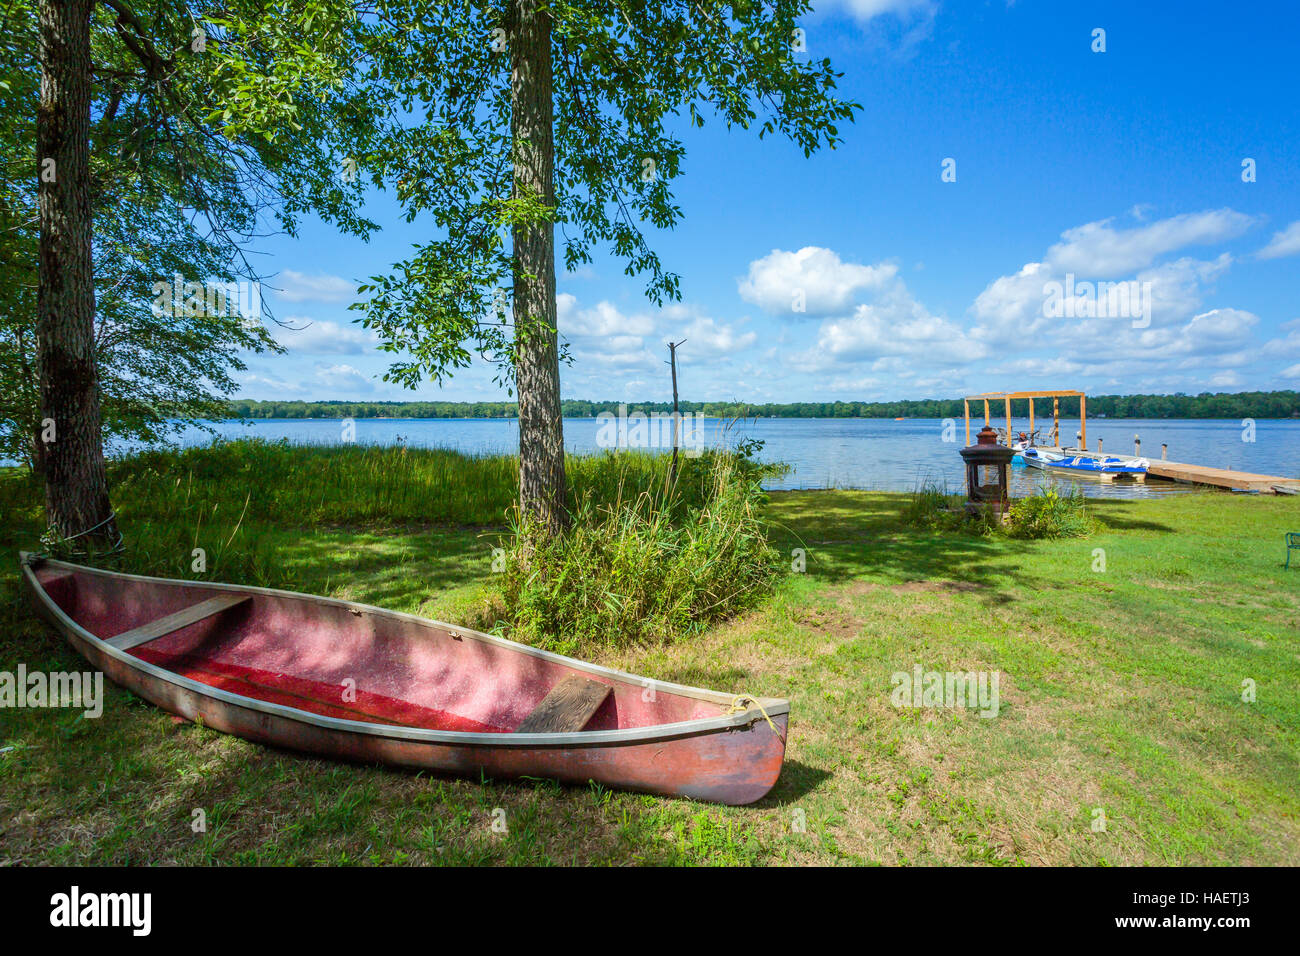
1292	544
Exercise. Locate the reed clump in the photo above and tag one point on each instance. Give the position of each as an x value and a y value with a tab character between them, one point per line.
642	564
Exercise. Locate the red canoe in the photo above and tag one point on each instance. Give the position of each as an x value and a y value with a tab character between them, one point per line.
360	683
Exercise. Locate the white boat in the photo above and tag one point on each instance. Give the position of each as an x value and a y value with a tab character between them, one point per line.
1108	467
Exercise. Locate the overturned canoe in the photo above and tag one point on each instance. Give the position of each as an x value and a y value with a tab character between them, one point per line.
360	683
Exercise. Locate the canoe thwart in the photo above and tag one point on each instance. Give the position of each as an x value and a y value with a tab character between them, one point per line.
567	708
161	627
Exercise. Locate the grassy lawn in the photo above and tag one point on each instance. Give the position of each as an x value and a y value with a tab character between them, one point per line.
1120	696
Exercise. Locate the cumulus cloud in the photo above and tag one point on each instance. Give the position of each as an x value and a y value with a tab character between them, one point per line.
303	334
1099	250
1288	344
893	324
300	287
277	386
1220	326
1284	243
814	278
601	320
604	340
706	337
1013	307
344	378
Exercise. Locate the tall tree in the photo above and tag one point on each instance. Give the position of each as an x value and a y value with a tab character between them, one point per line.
537	359
561	112
76	487
206	118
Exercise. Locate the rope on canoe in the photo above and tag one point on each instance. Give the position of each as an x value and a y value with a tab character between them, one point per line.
743	702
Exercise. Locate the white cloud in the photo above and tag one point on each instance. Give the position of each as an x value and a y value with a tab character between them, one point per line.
345	378
303	334
894	324
864	10
1221	326
1225	380
300	287
601	320
707	338
1012	307
1284	243
1098	250
1292	372
1039	367
1288	344
258	382
826	284
602	337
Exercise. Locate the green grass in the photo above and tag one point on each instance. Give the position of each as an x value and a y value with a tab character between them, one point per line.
1121	690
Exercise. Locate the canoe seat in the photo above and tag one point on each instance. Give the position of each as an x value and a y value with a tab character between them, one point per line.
161	627
567	708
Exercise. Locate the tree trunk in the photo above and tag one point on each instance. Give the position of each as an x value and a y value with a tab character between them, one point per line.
537	367
76	486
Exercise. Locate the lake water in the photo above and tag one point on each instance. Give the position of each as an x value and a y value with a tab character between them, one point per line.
877	454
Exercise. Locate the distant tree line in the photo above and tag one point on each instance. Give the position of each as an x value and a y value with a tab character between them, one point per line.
1234	405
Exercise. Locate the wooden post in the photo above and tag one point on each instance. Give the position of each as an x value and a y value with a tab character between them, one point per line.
1056	423
986	413
672	361
1083	422
966	407
1008	422
1031	421
1099	441
1164	451
1137	446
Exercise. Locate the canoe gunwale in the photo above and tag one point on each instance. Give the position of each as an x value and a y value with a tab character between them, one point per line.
588	738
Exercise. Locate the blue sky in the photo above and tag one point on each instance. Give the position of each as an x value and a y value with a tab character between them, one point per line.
1071	167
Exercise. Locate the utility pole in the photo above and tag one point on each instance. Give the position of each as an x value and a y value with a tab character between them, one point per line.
672	361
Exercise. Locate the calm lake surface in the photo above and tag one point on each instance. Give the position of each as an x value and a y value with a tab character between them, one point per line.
876	454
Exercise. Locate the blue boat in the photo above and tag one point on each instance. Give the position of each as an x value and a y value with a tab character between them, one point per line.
1104	467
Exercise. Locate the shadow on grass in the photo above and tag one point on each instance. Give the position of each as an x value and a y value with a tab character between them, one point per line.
1116	516
850	536
797	780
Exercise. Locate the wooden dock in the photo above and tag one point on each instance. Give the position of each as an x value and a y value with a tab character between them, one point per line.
1204	475
1222	477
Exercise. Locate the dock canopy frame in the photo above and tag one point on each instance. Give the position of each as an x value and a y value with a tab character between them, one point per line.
1054	395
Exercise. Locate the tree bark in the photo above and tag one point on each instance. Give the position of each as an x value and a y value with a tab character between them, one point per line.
76	485
542	491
